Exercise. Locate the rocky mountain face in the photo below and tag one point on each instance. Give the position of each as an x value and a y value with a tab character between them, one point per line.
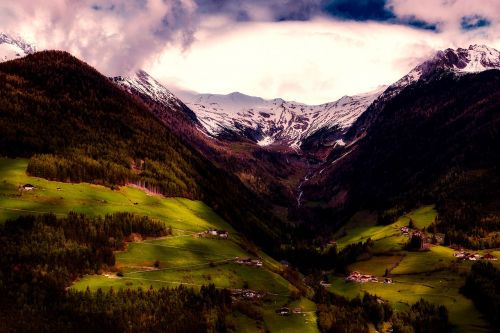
434	140
274	122
142	83
262	170
456	62
272	145
475	59
280	123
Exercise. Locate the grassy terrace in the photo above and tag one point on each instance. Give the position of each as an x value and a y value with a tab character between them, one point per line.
189	259
184	257
434	275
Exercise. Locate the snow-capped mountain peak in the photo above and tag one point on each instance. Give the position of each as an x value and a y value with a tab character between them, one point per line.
274	121
475	59
14	47
145	85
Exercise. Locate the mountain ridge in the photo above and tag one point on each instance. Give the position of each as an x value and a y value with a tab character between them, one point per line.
274	121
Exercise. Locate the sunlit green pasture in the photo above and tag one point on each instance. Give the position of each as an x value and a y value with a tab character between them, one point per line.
434	275
183	258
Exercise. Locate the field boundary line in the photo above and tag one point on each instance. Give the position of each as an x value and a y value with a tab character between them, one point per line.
194	284
181	267
183	248
32	211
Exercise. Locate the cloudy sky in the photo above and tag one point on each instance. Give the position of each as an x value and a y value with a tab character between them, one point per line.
312	51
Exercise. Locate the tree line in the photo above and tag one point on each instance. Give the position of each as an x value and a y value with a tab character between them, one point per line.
42	255
482	285
76	125
337	314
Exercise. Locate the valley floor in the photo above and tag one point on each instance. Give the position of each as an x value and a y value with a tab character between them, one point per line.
186	257
435	275
189	258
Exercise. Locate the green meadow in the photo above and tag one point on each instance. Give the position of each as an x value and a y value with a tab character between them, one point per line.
434	275
189	259
61	198
363	225
183	258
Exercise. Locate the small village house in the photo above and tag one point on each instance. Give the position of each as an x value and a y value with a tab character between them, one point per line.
284	311
217	233
28	187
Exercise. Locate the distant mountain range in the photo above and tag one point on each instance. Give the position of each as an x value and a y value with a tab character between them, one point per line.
276	122
293	152
279	123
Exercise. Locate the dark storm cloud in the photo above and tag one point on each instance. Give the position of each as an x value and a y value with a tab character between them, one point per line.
279	10
303	10
472	22
359	10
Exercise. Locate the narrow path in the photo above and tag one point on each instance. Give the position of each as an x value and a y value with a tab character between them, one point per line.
32	211
396	264
181	267
193	284
185	249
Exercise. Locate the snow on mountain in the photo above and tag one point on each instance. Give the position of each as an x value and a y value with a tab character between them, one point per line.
14	47
142	83
476	58
274	121
285	123
145	84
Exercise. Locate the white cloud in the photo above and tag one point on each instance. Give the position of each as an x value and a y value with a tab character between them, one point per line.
113	35
310	61
315	61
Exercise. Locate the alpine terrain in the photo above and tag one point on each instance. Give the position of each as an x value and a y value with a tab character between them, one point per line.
126	207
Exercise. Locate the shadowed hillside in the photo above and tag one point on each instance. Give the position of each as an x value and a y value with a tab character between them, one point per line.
76	126
437	141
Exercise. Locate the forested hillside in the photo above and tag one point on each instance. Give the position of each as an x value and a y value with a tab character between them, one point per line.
42	255
76	125
435	142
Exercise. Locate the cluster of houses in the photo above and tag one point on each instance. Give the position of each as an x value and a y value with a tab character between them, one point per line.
247	294
325	284
285	311
422	238
435	238
361	278
223	234
405	231
248	262
473	256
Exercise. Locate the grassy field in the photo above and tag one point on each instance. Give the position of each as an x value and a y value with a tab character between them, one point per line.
184	258
376	265
296	323
438	288
363	225
434	275
61	198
